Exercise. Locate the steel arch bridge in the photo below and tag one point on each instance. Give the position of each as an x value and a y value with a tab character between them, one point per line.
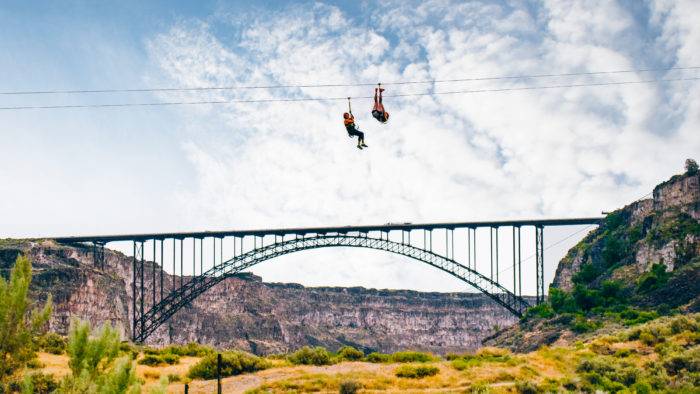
154	301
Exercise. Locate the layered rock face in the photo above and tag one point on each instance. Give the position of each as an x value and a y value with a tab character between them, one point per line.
650	248
663	230
248	314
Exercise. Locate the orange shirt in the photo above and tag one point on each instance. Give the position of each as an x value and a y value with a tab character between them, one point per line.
349	120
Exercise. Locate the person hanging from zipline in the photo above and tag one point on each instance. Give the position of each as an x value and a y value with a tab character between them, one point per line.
349	121
378	112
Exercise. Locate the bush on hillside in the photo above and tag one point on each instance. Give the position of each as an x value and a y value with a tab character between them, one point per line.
375	357
606	374
416	371
688	361
35	383
162	359
349	353
20	324
411	357
691	167
232	363
52	343
191	349
654	279
129	349
350	387
310	356
151	351
95	363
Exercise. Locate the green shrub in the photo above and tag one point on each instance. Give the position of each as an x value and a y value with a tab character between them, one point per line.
129	349
461	364
586	299
191	349
561	301
310	356
479	388
615	249
543	311
416	371
151	351
151	360
411	357
586	274
607	374
484	355
20	324
682	323
350	353
174	378
39	383
156	360
375	357
170	359
232	363
35	364
654	279
527	388
52	343
94	365
641	388
581	325
350	387
688	361
652	335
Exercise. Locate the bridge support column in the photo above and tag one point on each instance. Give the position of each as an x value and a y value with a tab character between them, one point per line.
517	279
137	291
539	259
98	254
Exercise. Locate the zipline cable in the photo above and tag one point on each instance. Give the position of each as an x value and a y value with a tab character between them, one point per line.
300	99
342	85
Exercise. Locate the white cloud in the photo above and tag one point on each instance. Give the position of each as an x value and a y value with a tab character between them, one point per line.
520	154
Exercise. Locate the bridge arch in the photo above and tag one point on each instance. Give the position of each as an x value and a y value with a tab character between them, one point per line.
160	312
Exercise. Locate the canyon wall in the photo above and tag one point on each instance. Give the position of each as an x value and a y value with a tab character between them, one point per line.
246	313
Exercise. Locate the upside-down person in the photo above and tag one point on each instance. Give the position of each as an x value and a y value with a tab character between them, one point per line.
378	111
349	122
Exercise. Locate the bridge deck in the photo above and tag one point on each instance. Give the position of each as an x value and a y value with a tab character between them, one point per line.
325	230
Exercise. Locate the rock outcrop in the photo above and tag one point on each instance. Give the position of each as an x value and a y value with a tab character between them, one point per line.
664	229
246	313
644	258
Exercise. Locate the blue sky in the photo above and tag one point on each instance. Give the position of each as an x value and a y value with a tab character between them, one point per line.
564	152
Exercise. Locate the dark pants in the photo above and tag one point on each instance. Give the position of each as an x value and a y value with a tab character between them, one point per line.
355	132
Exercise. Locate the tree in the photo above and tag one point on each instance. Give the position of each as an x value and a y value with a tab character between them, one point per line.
19	327
691	167
95	365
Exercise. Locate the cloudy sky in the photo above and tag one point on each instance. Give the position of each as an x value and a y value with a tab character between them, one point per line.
516	154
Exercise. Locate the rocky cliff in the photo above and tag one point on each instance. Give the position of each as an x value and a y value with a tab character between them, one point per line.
643	261
246	313
662	230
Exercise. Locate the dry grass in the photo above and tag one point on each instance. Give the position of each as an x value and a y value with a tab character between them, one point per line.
58	366
54	364
492	370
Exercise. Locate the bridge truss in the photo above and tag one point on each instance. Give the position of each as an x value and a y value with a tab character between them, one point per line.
156	296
